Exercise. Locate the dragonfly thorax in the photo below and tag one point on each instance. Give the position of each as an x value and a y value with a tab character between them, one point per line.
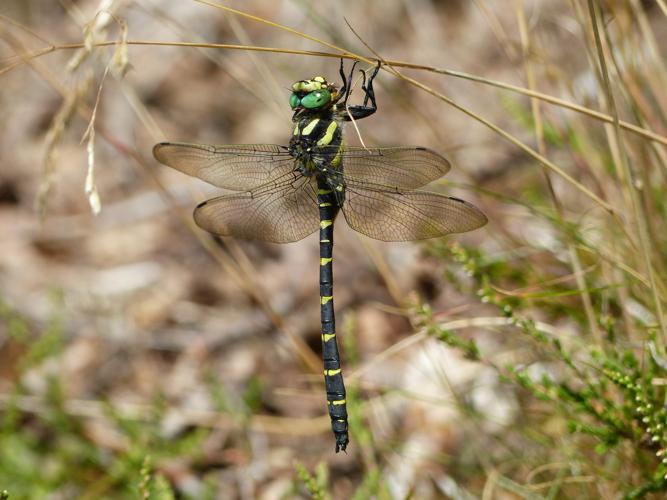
316	140
316	145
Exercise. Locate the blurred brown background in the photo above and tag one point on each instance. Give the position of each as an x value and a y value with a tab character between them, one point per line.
154	313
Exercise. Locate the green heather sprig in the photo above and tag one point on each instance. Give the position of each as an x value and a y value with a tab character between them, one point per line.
316	485
602	391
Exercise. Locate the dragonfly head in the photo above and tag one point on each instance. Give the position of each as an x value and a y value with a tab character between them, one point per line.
312	96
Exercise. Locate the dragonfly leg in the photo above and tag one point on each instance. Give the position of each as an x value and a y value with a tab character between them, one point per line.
346	89
368	89
364	110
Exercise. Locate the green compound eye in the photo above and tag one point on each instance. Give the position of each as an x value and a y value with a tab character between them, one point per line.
294	101
316	99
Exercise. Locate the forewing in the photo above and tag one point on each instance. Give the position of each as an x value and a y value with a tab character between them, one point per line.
238	167
395	168
407	216
283	212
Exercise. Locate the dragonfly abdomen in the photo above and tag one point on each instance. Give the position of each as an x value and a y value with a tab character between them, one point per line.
333	378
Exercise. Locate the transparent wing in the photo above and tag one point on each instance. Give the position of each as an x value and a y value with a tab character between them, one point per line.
238	167
280	212
394	168
407	216
241	167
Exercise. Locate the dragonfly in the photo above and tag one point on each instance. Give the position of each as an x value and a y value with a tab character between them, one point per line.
282	194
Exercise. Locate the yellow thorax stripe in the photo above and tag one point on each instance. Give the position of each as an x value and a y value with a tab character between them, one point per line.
309	128
328	135
336	161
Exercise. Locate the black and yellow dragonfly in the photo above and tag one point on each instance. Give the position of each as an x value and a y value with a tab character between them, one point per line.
285	193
